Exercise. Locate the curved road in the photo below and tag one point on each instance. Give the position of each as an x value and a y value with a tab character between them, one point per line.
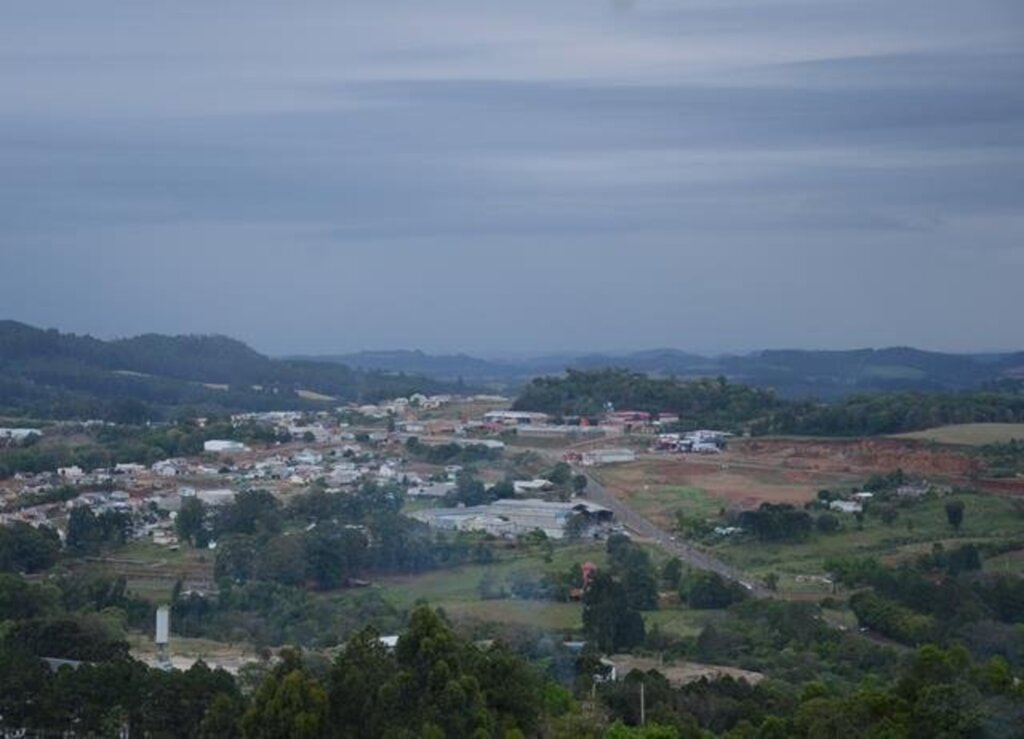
646	530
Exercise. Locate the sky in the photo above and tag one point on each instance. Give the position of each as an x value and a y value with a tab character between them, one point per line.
487	177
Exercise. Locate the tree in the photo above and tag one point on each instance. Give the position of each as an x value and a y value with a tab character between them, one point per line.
608	619
827	523
711	590
292	706
672	573
189	523
955	514
560	474
28	549
358	705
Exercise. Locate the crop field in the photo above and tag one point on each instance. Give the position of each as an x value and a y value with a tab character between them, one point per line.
969	434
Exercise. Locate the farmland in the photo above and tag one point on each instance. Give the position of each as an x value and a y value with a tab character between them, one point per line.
791	471
969	434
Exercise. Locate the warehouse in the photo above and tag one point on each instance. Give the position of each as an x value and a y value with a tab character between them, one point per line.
513	517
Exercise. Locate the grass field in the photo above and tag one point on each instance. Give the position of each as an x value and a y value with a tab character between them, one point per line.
969	434
987	518
660	503
1010	562
458	590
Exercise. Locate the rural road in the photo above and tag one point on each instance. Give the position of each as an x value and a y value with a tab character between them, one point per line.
639	525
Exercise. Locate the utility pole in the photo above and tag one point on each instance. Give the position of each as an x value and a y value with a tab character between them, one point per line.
643	706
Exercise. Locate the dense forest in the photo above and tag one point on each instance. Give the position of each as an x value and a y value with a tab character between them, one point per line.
47	374
721	404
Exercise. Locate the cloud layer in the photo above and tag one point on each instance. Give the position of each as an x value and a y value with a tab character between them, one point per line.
487	176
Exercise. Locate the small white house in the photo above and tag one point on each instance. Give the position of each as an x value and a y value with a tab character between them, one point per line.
846	506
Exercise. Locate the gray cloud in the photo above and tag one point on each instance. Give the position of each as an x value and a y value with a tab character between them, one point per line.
479	176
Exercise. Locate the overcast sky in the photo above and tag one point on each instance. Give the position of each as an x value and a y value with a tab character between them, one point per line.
534	175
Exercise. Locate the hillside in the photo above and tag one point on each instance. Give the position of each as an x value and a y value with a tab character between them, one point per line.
795	374
55	375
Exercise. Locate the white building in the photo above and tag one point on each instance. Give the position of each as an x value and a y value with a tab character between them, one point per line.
218	446
9	434
515	418
607	456
74	472
510	517
522	487
846	506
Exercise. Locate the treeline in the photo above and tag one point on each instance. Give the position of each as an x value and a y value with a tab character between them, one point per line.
868	415
942	597
432	684
721	404
709	403
934	693
47	374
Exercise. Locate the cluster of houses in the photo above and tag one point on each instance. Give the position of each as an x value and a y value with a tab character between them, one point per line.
703	441
339	450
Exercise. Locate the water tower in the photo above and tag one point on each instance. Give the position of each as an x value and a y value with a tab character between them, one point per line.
163	636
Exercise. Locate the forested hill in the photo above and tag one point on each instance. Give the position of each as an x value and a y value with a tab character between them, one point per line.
721	404
49	374
797	374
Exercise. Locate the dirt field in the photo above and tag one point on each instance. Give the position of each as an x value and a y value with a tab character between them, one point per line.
855	457
659	486
783	470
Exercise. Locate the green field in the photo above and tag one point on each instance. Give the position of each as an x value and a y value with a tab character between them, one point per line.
969	434
661	502
987	519
458	589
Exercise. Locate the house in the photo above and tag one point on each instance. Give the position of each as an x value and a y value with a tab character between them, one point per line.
845	506
72	473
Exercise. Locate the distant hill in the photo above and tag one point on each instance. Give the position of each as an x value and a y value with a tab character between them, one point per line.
55	375
826	375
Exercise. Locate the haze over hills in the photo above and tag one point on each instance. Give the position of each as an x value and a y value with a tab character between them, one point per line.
792	373
53	374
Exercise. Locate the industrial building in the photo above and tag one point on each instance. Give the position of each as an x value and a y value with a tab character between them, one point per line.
224	445
513	517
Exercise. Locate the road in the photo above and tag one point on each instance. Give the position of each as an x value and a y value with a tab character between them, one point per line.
644	529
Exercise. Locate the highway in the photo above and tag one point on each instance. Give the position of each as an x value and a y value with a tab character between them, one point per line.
644	529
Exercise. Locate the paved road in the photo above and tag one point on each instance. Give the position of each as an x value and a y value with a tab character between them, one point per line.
643	528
